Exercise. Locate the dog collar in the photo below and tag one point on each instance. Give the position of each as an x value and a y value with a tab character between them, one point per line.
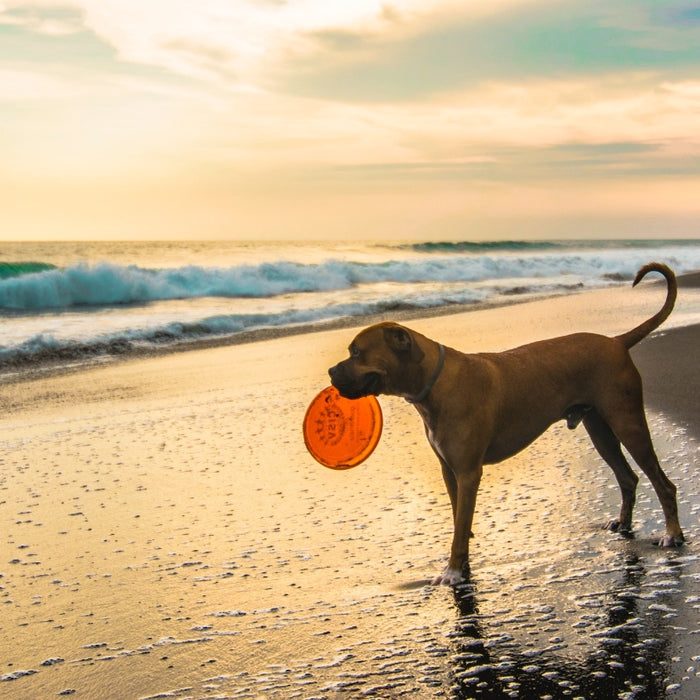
426	390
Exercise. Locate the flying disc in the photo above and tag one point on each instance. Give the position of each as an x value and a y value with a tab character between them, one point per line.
341	433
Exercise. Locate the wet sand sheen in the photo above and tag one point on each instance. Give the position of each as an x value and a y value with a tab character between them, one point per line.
164	533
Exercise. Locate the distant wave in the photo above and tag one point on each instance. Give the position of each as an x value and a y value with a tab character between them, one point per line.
22	268
108	284
537	245
479	246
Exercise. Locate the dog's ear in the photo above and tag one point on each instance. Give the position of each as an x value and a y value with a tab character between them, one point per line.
402	342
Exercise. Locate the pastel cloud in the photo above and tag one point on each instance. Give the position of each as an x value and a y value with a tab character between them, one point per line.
276	100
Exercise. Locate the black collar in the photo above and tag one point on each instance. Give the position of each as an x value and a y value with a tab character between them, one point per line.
426	390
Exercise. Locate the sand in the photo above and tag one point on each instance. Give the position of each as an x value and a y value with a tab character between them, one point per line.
163	533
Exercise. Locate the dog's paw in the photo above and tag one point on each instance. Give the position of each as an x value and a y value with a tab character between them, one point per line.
449	577
672	540
616	526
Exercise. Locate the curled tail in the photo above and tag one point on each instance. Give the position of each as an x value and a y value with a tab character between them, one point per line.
636	334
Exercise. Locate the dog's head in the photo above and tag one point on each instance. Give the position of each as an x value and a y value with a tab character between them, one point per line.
384	359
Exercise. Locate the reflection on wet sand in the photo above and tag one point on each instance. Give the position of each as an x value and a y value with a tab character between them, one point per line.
628	655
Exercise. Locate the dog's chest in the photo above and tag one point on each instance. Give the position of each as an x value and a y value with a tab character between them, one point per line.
434	442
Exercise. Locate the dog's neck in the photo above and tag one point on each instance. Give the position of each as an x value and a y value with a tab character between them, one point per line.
422	395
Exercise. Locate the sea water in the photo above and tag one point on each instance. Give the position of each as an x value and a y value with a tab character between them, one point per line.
100	299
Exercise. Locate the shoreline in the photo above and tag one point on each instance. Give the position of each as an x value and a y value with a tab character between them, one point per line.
70	362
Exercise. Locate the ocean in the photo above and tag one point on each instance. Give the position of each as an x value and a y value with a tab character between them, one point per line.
80	301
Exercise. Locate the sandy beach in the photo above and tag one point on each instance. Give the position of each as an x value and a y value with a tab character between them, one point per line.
165	534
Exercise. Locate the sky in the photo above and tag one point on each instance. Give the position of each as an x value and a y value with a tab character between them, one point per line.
328	119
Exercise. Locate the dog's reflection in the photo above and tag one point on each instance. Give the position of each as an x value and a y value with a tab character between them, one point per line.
631	647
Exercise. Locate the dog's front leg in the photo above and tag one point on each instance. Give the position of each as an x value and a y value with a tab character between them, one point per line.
447	473
451	485
467	484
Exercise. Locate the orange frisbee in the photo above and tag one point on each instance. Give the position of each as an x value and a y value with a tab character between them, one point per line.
341	433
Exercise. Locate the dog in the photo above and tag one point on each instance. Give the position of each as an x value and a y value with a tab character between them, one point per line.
483	408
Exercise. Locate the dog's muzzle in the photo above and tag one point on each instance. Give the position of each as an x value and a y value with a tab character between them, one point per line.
353	386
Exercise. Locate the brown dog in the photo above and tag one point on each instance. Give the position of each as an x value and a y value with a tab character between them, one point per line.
482	408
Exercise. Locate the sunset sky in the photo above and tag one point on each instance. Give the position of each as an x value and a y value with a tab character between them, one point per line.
349	120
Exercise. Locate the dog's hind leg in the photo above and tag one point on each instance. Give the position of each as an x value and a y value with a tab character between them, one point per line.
631	428
608	446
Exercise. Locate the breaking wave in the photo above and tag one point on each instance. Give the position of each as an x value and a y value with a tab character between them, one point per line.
107	284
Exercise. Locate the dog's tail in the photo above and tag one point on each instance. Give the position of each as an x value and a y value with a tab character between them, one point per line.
636	334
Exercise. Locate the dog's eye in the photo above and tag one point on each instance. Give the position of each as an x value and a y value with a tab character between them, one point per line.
354	351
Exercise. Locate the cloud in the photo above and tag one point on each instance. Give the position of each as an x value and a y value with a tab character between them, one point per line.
464	106
54	42
456	50
500	133
238	40
48	20
366	51
211	38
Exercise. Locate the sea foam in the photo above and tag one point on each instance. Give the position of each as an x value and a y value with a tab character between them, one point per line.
107	283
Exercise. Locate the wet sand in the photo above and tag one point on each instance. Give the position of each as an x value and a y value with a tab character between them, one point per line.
163	533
